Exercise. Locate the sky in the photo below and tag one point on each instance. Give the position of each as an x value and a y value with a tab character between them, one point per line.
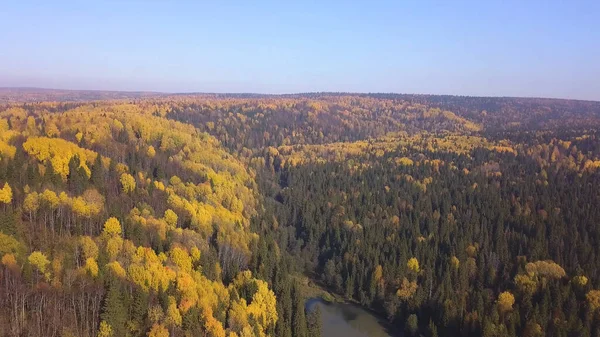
477	48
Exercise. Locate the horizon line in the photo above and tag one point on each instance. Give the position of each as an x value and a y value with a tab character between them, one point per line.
349	93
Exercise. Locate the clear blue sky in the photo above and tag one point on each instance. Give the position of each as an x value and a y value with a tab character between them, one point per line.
498	48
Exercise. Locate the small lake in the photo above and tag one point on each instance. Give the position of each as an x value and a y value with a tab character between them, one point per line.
349	320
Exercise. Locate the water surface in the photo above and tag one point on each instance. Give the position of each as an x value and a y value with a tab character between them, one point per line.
349	320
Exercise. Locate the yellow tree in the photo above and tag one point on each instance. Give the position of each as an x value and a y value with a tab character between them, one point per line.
112	227
127	182
40	262
263	306
181	259
407	289
413	265
455	262
171	218
505	301
105	330
91	267
526	284
88	247
151	152
158	330
238	316
173	315
580	281
593	299
6	194
31	204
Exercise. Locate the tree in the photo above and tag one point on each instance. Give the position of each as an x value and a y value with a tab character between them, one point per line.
432	329
91	267
114	312
298	318
413	265
40	262
97	174
181	259
6	194
171	218
412	325
593	299
505	301
314	322
158	330
151	152
112	227
173	315
89	248
105	330
407	289
31	204
127	183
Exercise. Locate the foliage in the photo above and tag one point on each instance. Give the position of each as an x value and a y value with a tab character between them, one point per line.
191	215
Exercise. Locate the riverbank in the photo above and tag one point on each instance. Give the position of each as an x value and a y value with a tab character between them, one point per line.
312	289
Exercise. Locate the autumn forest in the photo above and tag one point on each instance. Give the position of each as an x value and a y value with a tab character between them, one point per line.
143	214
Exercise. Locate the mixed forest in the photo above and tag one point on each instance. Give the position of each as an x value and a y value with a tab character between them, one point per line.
143	214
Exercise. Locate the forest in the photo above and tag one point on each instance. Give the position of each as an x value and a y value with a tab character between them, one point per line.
148	214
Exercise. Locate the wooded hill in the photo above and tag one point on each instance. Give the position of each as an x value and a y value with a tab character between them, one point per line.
194	215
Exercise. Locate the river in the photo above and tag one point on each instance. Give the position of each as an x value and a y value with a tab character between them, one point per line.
349	320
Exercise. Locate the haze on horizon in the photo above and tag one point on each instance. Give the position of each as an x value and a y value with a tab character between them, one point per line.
494	48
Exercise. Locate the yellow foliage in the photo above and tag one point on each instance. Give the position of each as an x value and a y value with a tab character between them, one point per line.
8	244
9	261
127	182
593	299
170	218
50	199
159	185
147	270
58	152
88	247
454	262
404	161
580	280
151	152
505	301
112	226
40	262
6	150
105	330
378	273
121	168
471	251
91	267
263	306
87	205
211	324
116	269
526	284
113	247
407	289
173	315
187	288
195	254
545	269
238	316
6	194
158	330
181	259
413	265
